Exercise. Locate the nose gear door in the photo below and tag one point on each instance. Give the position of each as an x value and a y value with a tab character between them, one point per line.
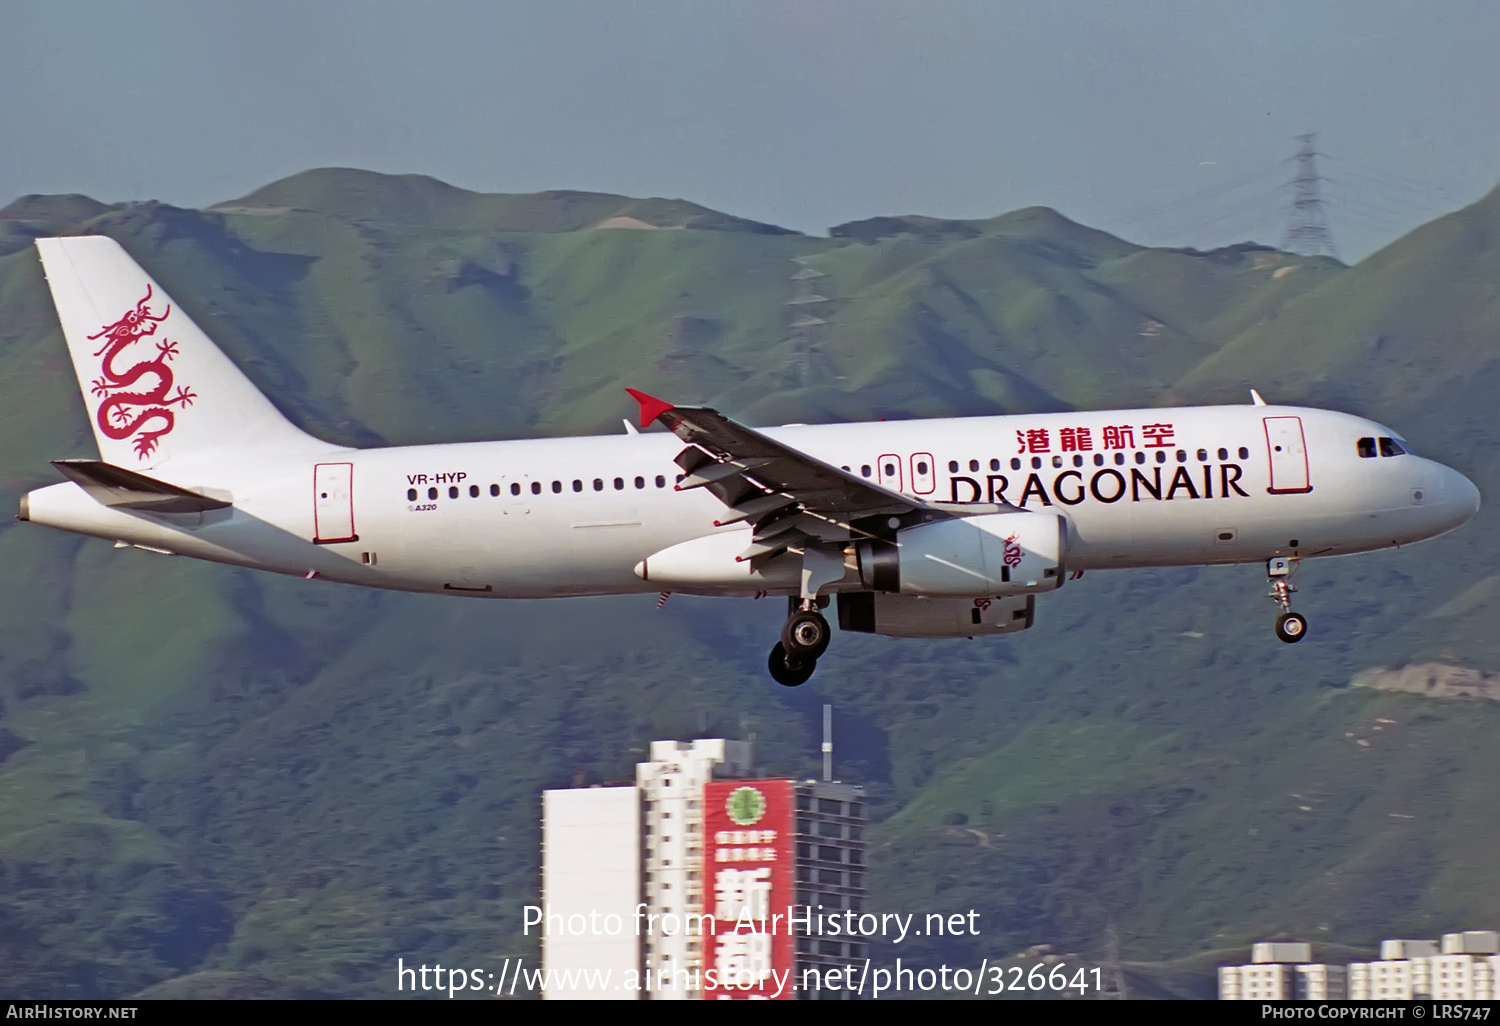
1287	447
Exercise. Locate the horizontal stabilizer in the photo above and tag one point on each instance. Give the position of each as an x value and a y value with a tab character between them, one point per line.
116	486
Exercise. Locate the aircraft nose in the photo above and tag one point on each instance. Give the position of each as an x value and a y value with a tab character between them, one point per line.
1462	495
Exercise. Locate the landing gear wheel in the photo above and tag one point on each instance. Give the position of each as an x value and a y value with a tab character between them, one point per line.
806	635
792	672
1291	627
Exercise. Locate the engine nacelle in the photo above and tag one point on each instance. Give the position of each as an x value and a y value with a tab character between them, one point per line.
992	554
915	616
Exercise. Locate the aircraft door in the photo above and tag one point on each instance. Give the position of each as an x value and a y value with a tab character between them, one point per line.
923	474
889	468
1287	446
333	503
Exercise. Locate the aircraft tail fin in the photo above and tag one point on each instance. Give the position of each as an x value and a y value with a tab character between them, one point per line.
156	387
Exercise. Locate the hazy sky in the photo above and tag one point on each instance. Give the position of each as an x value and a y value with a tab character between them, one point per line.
1166	123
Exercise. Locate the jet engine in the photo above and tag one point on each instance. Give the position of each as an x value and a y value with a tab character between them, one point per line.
992	554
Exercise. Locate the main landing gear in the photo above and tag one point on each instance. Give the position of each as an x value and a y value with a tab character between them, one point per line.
804	638
1290	627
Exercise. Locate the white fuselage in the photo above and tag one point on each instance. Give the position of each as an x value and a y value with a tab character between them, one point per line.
575	516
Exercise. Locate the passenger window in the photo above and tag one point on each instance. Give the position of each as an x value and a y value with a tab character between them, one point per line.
619	484
1056	462
598	484
922	467
1098	459
432	493
864	471
973	466
556	487
494	489
1119	459
661	481
1202	455
411	495
1015	464
1366	447
453	491
1223	455
474	491
1036	463
1388	447
1077	461
1140	457
1161	455
1244	453
953	466
1181	456
640	482
994	464
577	485
536	488
515	489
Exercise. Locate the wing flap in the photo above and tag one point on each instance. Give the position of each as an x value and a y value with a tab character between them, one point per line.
753	462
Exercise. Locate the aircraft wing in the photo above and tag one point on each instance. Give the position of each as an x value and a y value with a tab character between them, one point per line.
788	496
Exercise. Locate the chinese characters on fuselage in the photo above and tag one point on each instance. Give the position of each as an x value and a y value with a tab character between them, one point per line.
1104	481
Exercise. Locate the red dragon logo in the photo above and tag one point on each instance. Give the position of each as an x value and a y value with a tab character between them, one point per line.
1013	555
123	414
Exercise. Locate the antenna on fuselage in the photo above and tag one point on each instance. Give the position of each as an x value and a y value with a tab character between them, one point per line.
1254	398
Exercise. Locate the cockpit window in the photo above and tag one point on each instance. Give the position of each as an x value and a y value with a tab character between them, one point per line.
1366	448
1389	447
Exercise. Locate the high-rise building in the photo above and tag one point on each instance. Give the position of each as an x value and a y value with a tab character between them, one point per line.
591	885
728	882
830	872
671	788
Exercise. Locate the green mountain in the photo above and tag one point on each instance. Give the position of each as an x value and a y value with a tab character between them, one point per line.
218	782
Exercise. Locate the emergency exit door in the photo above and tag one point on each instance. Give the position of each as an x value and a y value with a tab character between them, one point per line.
1287	447
333	503
888	471
923	473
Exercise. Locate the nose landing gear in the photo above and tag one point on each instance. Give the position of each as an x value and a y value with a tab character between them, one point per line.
804	638
1290	627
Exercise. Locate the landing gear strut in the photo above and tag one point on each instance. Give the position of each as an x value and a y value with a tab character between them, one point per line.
804	638
1290	627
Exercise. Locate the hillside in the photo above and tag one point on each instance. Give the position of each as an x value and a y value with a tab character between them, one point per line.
218	782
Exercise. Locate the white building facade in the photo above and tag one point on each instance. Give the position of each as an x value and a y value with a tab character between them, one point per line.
591	885
1462	967
671	794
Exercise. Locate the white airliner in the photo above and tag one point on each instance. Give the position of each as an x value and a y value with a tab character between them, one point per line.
930	528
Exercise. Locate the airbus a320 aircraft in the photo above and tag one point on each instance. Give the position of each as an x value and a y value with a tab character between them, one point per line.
926	528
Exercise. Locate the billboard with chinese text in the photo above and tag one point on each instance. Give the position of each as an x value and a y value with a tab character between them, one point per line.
748	848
